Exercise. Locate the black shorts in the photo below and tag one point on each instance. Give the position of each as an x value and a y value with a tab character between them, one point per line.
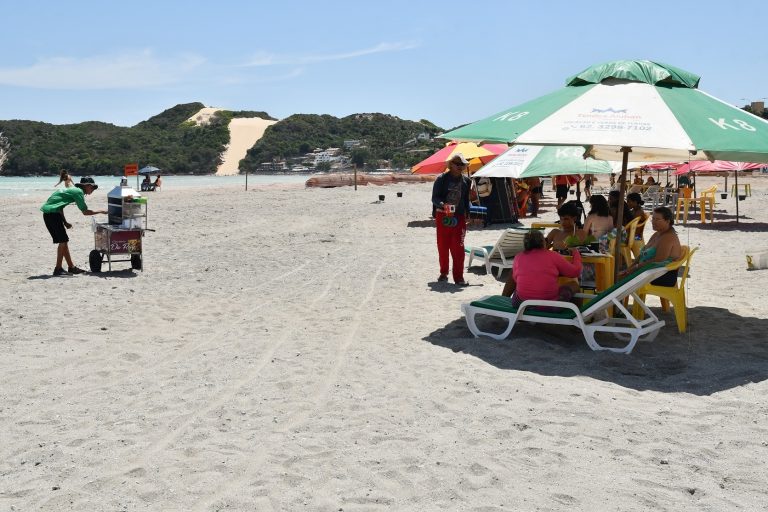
55	224
668	279
561	191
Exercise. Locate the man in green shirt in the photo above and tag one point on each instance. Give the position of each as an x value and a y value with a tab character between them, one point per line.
53	215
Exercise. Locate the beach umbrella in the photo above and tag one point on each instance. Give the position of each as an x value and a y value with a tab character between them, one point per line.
653	111
522	161
149	170
720	166
477	156
661	166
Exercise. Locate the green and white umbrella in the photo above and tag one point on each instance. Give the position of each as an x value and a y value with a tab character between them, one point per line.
521	161
654	110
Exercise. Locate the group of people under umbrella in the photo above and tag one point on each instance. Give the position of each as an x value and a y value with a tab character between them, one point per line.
619	111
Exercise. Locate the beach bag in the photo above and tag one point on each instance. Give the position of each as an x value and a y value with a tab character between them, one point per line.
484	187
757	260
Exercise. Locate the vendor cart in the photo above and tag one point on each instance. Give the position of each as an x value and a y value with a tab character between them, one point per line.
120	239
116	244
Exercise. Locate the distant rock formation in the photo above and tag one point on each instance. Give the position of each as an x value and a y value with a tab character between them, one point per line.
5	148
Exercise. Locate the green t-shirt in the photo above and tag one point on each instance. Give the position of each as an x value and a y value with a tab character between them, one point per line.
62	198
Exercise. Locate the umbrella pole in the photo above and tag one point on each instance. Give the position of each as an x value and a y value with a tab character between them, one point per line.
620	213
736	179
510	184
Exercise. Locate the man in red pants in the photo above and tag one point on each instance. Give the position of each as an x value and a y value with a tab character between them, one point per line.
450	195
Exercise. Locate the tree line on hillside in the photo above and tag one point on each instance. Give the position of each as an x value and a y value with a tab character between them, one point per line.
167	141
178	146
383	136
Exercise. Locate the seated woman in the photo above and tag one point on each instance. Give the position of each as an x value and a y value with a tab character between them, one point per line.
158	183
662	247
635	203
569	234
613	204
536	269
650	181
146	184
599	221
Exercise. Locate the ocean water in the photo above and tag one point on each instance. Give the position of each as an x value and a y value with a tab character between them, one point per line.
13	186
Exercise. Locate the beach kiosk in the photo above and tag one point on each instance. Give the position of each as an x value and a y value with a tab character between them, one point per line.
120	239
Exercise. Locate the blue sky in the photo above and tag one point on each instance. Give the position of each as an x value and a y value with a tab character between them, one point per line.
122	62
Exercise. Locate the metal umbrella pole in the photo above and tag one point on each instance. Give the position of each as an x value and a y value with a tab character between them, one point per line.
736	180
620	213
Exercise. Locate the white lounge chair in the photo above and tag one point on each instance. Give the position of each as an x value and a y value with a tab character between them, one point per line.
501	254
591	318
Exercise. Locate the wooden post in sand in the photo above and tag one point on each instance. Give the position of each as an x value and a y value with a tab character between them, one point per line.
355	176
246	178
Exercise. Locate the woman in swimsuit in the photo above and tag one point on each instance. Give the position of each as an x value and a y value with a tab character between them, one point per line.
663	246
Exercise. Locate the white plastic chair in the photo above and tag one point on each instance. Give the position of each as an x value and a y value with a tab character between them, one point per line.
500	254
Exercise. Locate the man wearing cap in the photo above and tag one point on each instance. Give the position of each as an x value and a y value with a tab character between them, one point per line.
53	215
450	195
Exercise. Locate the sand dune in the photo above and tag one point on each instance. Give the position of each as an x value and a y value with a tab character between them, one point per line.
243	134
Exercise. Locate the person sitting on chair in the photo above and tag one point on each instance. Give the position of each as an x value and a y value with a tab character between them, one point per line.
535	272
663	247
569	234
613	204
599	221
635	203
146	183
158	182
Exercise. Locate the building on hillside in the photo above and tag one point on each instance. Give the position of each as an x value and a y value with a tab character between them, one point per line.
349	144
273	167
328	155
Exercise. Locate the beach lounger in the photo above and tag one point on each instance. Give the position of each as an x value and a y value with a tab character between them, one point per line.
591	318
499	255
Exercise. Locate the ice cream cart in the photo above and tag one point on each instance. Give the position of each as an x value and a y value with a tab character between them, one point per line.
120	239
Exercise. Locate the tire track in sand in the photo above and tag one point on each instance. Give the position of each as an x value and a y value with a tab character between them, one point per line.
225	393
242	472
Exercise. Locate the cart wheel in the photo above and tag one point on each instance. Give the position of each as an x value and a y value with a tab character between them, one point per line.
136	261
94	259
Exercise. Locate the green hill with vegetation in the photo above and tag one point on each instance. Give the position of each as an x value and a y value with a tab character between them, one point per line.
382	137
166	141
177	146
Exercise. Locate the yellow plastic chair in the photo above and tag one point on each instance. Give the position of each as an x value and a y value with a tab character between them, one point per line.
544	225
626	248
709	191
637	245
672	294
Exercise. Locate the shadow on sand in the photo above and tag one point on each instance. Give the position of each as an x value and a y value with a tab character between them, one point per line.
694	362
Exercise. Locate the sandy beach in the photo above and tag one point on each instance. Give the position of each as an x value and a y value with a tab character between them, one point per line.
289	348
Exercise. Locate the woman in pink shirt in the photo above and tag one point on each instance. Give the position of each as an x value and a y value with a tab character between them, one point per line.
536	269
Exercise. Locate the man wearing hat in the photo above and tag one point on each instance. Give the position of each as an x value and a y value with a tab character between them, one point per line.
53	215
450	196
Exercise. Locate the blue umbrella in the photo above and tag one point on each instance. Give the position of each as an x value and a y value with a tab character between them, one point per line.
149	170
